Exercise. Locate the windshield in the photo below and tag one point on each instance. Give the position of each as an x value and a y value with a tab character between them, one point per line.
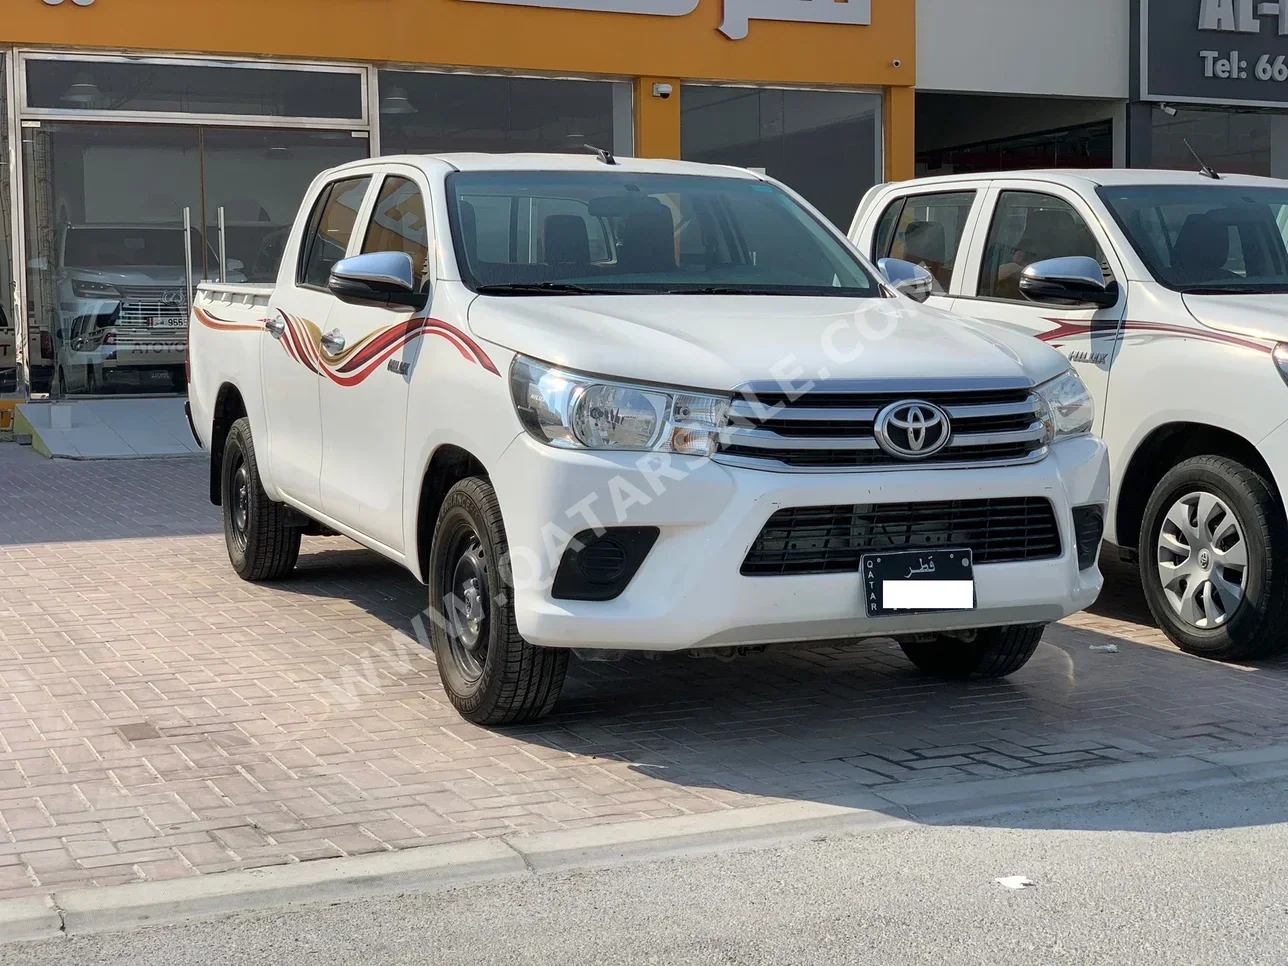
611	232
1209	238
115	248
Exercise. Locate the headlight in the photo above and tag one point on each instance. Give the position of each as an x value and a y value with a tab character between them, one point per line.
1069	410
575	411
85	289
1281	359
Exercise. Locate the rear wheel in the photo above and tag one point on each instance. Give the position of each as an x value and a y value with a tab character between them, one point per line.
261	546
491	674
1214	560
994	653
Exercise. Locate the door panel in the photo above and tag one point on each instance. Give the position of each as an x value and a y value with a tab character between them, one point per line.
292	361
1022	223
364	397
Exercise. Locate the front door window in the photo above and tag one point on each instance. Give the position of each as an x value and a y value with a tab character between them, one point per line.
1031	227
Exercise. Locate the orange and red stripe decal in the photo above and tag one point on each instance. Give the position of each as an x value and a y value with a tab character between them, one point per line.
1065	330
302	341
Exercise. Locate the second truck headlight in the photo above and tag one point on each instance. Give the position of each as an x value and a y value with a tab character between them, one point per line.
577	411
1069	410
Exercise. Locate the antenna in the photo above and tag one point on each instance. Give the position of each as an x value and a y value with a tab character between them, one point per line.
1204	169
604	154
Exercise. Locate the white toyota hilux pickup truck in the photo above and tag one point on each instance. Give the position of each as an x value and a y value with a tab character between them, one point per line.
611	404
1168	293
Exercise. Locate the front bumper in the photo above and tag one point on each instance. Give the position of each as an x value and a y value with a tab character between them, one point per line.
689	592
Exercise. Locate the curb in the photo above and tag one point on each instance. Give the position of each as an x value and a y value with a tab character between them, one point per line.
88	911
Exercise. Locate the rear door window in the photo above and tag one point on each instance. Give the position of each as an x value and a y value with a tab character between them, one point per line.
335	214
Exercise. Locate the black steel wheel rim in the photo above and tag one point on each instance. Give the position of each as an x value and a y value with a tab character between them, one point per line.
239	502
466	596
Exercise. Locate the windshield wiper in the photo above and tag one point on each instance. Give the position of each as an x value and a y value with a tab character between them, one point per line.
801	290
1236	289
552	288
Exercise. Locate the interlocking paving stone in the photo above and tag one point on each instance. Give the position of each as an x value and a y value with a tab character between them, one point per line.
161	718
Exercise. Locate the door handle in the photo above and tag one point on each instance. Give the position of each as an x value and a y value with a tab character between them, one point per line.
276	327
333	342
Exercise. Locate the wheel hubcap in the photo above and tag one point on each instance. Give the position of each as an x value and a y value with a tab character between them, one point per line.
465	602
240	509
1202	560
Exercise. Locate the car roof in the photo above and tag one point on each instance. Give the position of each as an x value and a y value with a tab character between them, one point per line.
1094	177
462	161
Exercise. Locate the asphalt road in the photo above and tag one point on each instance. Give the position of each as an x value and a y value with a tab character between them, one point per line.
1196	878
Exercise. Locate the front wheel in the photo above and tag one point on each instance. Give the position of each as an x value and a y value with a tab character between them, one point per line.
994	653
491	674
1214	560
261	546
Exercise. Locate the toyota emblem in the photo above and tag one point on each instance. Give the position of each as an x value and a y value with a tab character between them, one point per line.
912	429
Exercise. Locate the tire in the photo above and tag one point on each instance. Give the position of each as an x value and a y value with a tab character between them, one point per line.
261	546
491	675
995	652
1229	627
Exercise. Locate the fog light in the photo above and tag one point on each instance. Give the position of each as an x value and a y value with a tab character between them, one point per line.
599	566
1088	531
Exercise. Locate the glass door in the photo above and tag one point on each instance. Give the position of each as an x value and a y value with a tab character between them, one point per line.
8	299
107	277
105	249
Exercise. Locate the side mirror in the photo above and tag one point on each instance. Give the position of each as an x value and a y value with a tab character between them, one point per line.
908	279
381	278
1076	280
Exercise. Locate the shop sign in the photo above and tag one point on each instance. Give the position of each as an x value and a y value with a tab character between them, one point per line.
1231	52
737	13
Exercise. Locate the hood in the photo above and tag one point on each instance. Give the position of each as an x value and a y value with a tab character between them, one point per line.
141	275
1258	316
721	342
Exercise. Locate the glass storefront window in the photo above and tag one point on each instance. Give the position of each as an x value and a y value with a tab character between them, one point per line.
8	313
1234	142
825	144
259	178
107	279
427	112
105	85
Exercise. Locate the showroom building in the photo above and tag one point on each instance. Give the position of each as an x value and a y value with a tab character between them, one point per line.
125	119
1017	84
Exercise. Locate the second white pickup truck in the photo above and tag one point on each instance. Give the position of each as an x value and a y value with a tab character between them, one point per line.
603	404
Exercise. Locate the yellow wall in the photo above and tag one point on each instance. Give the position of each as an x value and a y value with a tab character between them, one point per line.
485	35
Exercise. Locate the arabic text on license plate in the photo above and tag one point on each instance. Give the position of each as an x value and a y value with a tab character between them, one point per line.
169	322
918	581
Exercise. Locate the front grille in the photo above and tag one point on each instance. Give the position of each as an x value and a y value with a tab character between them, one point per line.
831	539
143	303
835	430
146	311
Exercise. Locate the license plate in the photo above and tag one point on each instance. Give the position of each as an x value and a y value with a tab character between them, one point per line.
169	322
918	582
